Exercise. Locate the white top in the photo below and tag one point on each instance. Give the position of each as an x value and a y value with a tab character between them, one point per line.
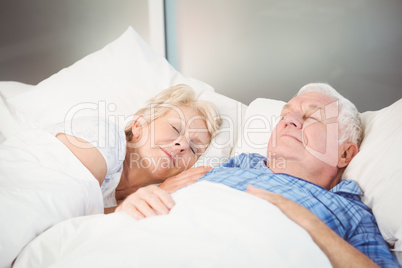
109	139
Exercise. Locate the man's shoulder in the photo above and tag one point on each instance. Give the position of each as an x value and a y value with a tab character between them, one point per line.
349	190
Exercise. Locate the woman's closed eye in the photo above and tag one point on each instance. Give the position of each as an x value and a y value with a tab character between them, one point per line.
176	129
193	149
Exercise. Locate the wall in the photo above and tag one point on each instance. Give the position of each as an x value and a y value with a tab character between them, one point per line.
38	38
248	49
245	49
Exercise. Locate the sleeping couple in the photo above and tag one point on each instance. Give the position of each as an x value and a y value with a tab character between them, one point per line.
318	134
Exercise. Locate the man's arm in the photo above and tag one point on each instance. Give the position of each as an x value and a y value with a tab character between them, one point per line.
339	252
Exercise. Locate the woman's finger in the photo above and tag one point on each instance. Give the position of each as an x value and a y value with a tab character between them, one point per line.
164	197
130	210
144	207
156	205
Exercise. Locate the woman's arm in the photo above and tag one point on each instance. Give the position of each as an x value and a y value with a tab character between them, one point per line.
185	178
339	252
89	156
151	200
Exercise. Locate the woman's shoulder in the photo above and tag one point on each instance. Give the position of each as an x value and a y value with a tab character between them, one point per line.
104	134
96	128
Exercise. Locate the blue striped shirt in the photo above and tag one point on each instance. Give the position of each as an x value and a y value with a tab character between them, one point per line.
339	208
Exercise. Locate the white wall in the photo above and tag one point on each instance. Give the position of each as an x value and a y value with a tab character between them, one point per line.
38	38
270	48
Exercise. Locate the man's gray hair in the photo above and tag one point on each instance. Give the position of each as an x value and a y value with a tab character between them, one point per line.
349	117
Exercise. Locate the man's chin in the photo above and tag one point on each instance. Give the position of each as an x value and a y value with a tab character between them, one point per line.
276	160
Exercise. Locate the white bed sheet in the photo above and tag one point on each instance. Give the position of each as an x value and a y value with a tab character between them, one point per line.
211	225
41	183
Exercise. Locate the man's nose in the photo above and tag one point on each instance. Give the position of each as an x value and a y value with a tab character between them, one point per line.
293	119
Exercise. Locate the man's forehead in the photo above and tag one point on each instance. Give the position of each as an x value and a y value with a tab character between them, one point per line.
290	106
310	101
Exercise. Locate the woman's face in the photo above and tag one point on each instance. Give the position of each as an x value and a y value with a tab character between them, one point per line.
170	144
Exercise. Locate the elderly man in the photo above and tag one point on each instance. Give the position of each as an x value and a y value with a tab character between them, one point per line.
317	137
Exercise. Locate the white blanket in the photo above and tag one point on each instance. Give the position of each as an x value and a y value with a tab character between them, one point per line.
211	225
41	183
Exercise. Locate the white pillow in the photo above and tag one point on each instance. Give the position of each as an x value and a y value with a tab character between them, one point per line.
260	119
8	90
231	112
113	82
119	77
378	171
376	168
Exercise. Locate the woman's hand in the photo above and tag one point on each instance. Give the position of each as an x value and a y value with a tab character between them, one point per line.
185	178
146	202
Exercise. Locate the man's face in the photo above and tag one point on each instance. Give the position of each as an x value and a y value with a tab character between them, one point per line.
308	131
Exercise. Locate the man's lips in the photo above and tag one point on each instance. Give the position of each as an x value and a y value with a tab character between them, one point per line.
168	154
291	136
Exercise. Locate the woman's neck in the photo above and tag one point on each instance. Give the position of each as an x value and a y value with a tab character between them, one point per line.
132	177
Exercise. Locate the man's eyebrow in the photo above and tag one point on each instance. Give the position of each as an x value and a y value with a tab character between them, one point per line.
314	107
287	106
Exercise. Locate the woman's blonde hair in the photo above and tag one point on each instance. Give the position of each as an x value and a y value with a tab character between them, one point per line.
178	95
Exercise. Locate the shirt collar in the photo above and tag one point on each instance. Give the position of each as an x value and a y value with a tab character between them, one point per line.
262	164
347	186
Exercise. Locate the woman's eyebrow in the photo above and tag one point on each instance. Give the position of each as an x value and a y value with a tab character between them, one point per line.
199	139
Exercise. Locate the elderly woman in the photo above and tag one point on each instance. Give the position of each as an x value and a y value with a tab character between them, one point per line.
166	137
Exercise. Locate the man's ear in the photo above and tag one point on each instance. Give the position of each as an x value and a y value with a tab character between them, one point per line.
136	129
348	151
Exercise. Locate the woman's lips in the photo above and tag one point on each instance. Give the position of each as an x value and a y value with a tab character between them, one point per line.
168	154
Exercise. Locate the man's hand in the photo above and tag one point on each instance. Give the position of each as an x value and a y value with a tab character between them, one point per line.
297	213
339	252
146	202
185	178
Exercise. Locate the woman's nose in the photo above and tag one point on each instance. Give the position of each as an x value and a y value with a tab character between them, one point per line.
181	145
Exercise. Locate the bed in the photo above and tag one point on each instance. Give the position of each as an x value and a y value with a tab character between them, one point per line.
210	226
